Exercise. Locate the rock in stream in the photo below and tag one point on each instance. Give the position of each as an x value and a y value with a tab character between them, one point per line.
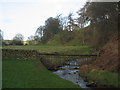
71	73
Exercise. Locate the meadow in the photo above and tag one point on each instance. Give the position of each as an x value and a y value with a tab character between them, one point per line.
30	74
33	74
51	62
55	49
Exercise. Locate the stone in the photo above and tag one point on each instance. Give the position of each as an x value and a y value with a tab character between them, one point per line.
77	82
74	73
69	73
90	84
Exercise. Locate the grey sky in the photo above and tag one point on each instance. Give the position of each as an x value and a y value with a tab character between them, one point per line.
25	16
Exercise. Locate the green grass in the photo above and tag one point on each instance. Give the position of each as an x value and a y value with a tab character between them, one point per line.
73	43
103	76
52	49
54	43
55	61
31	74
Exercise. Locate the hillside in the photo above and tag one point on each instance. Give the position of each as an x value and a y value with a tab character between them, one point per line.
105	69
108	58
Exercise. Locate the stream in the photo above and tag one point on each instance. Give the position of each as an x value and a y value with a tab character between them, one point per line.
70	71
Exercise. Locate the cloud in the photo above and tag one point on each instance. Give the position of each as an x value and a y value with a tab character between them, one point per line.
25	16
49	1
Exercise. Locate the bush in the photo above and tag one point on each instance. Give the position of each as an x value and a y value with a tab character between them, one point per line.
17	42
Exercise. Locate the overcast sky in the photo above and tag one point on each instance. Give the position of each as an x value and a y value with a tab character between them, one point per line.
25	16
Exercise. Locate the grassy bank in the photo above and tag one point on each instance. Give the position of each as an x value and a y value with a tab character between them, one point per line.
54	49
30	74
104	77
52	62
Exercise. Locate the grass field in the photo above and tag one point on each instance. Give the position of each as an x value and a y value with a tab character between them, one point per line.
53	49
103	76
30	74
51	62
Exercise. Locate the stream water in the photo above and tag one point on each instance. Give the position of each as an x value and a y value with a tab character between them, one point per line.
70	71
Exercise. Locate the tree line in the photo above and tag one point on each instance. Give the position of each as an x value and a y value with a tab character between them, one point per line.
94	25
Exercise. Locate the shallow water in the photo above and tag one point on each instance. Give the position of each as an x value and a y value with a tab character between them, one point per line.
71	73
